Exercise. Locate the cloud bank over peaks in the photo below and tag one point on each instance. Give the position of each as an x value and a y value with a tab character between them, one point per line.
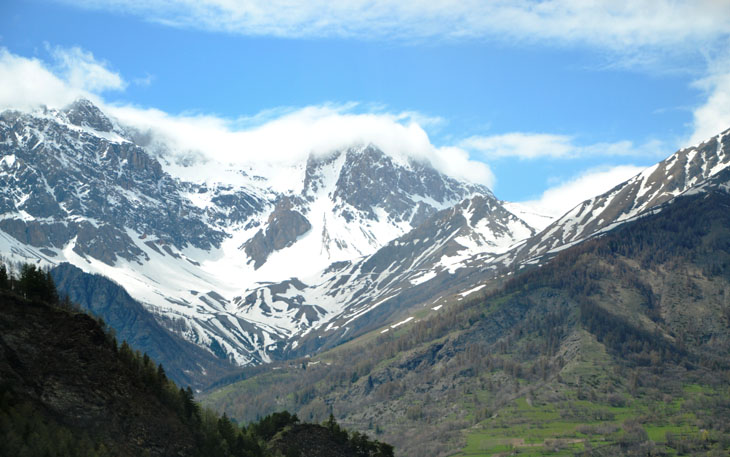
274	138
288	137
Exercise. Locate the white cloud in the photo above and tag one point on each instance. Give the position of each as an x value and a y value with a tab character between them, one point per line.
81	70
611	24
713	116
28	82
290	137
281	136
539	145
522	145
558	199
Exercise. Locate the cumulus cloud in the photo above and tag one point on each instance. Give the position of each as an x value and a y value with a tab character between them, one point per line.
525	145
560	198
26	84
29	82
622	24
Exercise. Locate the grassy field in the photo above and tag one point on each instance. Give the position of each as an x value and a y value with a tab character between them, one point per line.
528	428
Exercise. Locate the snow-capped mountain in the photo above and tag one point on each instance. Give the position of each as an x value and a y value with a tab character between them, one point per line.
256	262
208	246
460	249
650	188
696	169
394	276
534	218
351	203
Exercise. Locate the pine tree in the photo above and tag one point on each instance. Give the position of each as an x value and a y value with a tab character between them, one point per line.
227	430
50	294
4	278
161	376
35	284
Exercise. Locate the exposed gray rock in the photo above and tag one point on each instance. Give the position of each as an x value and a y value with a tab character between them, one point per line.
85	114
370	178
283	228
56	174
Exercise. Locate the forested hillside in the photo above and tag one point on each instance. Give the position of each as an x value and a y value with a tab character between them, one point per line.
185	362
67	388
618	346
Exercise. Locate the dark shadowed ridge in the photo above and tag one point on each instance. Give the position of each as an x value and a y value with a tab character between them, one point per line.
186	363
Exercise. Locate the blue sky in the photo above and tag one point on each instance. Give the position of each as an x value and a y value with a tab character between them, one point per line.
545	100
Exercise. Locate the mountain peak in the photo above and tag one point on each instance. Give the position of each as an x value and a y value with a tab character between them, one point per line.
84	113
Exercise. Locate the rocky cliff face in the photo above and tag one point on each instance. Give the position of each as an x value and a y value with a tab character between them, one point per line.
369	180
83	113
282	229
97	184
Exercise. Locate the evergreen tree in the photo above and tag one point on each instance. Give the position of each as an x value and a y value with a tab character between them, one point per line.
49	289
4	278
35	284
188	403
227	430
161	376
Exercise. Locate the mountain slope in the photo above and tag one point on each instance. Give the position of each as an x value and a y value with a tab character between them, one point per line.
61	368
645	192
196	241
620	342
652	187
379	287
67	389
351	203
134	324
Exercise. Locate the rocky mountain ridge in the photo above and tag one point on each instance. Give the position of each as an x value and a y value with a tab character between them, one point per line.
650	188
80	188
252	271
